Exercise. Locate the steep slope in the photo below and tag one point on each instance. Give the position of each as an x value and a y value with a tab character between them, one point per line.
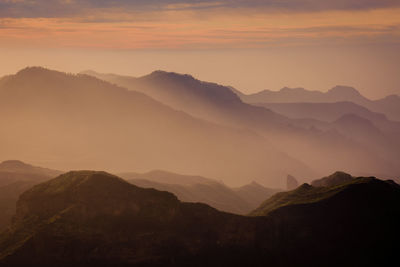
220	104
16	177
93	218
9	195
77	121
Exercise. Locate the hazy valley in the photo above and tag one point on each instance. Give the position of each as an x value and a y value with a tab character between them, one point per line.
168	170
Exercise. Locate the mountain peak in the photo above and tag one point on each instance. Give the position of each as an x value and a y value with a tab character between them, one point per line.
91	193
336	178
344	91
35	71
14	163
17	166
172	75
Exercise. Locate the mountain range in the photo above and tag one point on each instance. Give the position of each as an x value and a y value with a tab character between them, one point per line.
305	138
389	105
17	177
89	218
67	121
240	200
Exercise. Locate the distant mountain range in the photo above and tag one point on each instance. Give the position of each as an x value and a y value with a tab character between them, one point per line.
187	188
94	218
390	105
68	121
79	122
302	137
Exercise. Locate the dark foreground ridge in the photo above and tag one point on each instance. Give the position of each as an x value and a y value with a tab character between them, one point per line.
89	218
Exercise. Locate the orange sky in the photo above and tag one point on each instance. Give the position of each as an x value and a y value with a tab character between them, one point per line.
205	26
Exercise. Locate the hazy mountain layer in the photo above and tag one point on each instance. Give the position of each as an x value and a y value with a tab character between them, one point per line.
390	105
307	140
240	200
79	122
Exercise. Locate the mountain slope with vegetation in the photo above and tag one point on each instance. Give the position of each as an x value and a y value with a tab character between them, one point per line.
94	218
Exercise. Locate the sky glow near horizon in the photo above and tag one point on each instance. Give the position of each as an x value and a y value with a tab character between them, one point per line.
252	44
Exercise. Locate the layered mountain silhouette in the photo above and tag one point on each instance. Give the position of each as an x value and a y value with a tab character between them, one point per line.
77	121
94	218
16	177
305	140
188	188
390	105
201	99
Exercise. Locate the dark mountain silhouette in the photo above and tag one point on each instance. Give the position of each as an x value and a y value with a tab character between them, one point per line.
338	185
16	177
390	105
189	188
78	121
291	182
298	139
96	219
8	198
333	179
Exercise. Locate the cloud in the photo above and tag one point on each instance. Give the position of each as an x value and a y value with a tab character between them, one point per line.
73	8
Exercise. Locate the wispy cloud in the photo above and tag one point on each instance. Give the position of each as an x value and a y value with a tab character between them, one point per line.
70	8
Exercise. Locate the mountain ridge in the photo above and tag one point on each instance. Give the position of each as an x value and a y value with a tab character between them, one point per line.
95	218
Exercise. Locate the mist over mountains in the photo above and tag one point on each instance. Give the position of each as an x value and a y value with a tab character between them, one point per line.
389	105
76	121
292	129
203	175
